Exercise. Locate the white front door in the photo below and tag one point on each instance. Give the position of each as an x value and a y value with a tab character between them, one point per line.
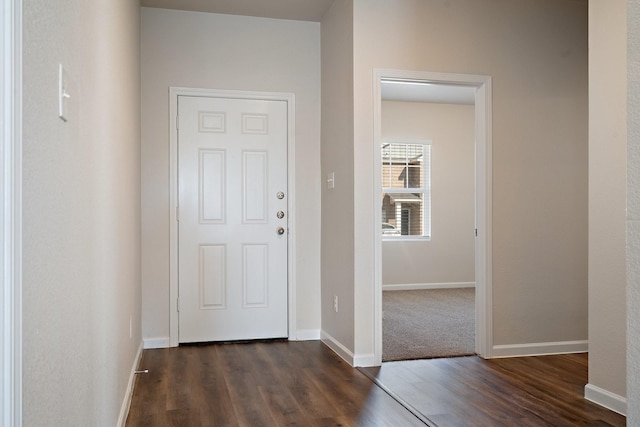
232	229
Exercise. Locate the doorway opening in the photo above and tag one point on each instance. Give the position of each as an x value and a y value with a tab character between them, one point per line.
401	98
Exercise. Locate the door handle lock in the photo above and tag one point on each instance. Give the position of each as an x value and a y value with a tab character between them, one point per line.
281	230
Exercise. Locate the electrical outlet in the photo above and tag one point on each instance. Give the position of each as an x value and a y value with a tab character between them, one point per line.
335	303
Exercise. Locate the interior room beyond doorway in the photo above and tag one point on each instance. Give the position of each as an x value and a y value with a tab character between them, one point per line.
428	208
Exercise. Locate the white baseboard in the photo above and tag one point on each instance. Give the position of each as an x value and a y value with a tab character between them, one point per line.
346	354
539	349
419	286
364	360
605	398
124	409
337	348
160	342
307	335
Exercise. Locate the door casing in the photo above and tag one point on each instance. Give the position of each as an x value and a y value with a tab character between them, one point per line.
483	202
11	214
289	98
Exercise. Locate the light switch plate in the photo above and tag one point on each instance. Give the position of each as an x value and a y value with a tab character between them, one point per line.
63	93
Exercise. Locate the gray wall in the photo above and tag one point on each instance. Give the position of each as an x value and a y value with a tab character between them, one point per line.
536	52
215	51
337	157
607	198
448	257
633	212
81	211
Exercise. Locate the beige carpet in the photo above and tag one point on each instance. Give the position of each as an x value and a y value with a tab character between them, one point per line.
426	324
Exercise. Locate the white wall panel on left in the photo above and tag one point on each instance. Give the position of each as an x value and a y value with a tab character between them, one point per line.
81	211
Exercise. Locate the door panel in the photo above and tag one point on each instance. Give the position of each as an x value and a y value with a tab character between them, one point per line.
212	178
254	189
232	261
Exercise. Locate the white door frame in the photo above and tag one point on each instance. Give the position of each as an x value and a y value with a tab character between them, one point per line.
483	159
11	214
174	93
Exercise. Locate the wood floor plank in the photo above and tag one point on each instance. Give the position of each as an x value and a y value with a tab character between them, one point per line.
207	382
526	391
306	384
178	389
293	373
150	409
258	384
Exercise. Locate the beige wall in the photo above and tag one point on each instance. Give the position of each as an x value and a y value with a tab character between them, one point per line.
536	53
607	195
200	50
448	257
337	157
81	211
633	212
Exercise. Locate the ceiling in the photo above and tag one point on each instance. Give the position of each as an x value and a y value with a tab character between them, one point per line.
300	10
314	10
413	91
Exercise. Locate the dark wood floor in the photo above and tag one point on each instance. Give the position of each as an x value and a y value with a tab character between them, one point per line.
304	383
261	384
522	391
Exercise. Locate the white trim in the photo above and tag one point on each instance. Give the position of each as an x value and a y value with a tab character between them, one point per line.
346	354
364	360
421	286
338	348
484	203
11	214
126	403
289	98
484	218
307	335
159	342
539	349
377	219
605	398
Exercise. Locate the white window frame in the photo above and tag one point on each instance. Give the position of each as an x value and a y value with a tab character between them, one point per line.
425	190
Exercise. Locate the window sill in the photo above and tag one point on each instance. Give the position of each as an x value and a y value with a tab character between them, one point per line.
406	239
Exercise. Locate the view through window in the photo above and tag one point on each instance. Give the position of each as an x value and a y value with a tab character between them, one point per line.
406	189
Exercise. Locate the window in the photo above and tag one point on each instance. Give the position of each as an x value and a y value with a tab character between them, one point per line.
406	190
